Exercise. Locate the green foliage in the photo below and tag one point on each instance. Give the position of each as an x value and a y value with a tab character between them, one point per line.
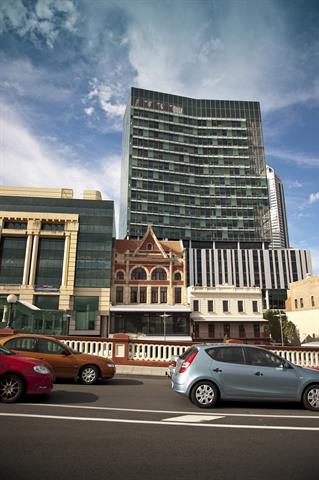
289	330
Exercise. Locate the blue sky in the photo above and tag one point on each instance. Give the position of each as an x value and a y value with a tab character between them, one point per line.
66	67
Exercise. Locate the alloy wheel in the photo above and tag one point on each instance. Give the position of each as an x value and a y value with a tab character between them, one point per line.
11	388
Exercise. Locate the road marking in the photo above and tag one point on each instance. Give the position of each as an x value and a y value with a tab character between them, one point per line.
153	422
192	418
138	410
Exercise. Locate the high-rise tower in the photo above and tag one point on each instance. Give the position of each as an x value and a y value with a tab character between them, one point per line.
279	226
194	169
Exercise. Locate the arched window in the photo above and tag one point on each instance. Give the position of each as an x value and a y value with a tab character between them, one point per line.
159	274
138	274
149	246
177	276
119	275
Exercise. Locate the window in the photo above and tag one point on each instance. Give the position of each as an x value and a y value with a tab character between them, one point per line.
256	330
142	294
46	302
177	295
301	303
210	305
255	306
211	330
195	306
119	275
26	344
119	294
138	274
177	276
12	224
154	295
225	306
296	303
149	246
226	330
240	305
242	331
262	358
227	354
52	227
159	274
312	301
163	295
85	312
47	346
134	292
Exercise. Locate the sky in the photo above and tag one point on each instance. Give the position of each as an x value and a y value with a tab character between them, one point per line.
67	66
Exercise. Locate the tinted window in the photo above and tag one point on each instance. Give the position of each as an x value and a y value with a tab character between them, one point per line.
25	344
46	346
255	356
227	354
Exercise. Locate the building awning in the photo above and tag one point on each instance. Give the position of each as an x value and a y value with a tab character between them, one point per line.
230	319
151	308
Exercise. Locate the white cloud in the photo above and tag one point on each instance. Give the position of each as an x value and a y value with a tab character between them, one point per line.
293	184
314	197
299	158
31	162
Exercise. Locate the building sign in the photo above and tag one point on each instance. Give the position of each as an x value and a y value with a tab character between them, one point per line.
165	107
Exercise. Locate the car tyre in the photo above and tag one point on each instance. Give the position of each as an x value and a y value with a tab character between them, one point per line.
11	388
310	397
204	394
89	374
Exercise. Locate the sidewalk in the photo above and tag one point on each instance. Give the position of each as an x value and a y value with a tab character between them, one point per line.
136	370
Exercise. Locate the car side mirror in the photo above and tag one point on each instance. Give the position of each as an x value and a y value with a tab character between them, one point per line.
66	352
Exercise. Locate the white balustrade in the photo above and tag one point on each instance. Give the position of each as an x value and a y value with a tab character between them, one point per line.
160	352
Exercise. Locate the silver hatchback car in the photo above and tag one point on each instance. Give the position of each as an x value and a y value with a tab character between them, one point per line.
207	373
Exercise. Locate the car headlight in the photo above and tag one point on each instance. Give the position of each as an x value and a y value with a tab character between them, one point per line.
41	369
110	365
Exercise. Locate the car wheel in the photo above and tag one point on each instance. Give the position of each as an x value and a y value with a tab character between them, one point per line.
204	394
89	374
11	388
310	397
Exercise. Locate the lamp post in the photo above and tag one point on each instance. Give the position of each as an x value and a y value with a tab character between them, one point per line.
279	315
11	299
164	317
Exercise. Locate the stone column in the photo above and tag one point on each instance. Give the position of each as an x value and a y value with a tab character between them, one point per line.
66	261
34	259
27	258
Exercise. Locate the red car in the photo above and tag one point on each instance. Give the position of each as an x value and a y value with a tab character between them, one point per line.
21	375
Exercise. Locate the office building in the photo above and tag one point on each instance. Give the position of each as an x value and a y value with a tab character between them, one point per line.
278	216
194	169
56	255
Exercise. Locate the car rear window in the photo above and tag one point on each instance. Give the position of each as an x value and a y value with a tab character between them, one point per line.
227	354
187	353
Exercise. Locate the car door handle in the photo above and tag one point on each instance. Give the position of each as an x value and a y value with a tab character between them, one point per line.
259	374
218	370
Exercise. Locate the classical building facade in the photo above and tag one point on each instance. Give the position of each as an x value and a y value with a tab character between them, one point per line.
227	312
55	255
302	306
149	288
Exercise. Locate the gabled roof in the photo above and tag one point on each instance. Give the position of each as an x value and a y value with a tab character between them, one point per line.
162	247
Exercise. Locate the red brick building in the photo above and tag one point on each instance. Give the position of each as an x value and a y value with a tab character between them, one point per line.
148	296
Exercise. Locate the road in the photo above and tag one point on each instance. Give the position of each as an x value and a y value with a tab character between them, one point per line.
137	428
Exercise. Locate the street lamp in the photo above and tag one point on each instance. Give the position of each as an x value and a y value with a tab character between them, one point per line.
279	315
164	317
11	299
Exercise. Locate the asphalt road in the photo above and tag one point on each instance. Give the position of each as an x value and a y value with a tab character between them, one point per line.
137	428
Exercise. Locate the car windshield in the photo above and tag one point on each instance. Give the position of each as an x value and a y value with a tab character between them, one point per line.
5	351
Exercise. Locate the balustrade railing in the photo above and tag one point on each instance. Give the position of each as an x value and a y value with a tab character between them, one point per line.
160	353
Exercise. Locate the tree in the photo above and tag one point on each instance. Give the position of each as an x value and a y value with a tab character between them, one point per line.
289	330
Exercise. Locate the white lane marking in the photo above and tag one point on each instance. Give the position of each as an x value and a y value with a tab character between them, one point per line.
192	418
138	410
151	422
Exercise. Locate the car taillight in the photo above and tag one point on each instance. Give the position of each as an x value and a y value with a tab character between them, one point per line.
187	362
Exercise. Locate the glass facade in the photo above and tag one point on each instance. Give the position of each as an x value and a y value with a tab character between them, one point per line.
194	169
149	323
94	249
85	312
12	252
50	263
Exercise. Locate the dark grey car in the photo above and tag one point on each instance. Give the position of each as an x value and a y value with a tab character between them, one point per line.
207	373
